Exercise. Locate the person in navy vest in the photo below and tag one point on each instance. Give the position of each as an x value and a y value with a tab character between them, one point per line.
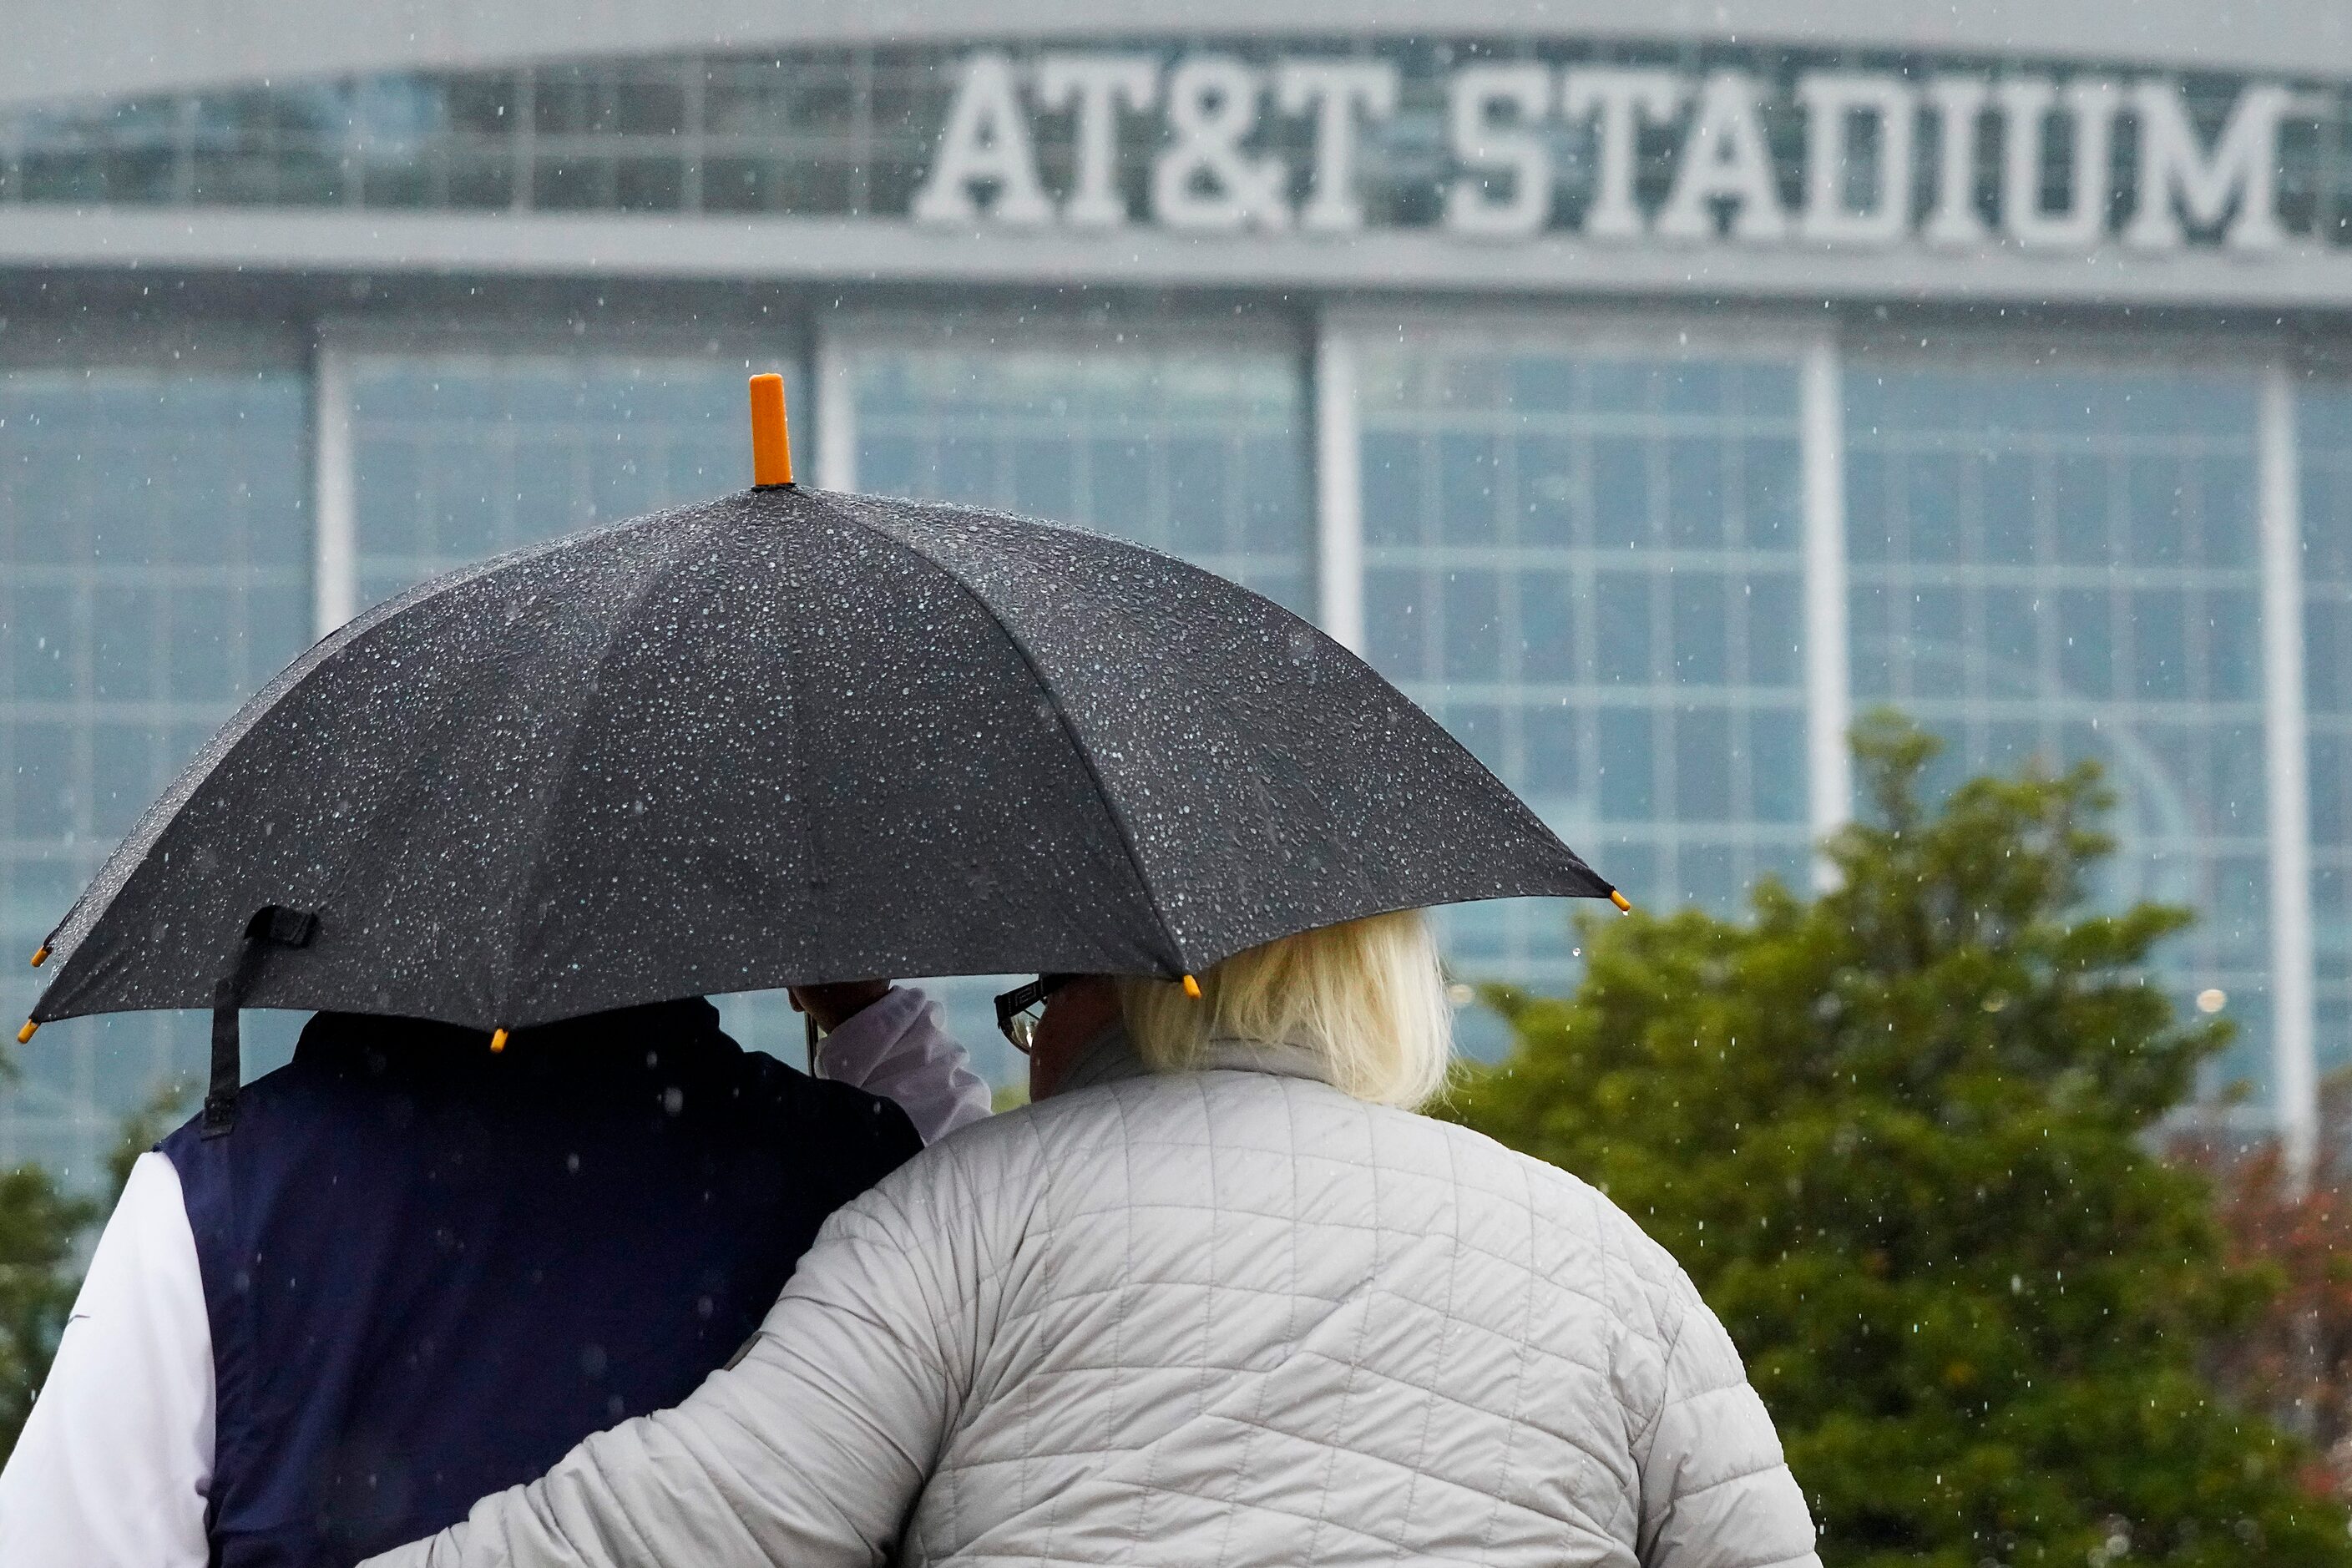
416	1270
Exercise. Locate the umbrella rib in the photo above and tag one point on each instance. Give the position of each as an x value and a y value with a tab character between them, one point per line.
160	812
1176	960
544	804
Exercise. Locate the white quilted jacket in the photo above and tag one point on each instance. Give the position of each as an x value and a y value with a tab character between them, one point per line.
1219	1319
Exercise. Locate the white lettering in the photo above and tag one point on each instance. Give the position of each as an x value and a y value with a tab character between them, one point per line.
1336	90
1515	150
1096	85
1833	102
1960	102
986	142
1622	99
1205	181
1213	165
2244	166
2026	104
1725	157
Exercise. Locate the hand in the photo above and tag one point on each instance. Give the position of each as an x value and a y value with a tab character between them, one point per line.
833	1005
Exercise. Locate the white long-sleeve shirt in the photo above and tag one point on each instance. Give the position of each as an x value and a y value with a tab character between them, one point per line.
115	1463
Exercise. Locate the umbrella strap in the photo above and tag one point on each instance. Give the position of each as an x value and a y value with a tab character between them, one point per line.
272	925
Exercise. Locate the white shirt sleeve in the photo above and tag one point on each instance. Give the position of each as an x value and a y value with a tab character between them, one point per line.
116	1460
897	1047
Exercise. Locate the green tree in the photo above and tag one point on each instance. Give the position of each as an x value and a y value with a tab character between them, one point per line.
1898	1135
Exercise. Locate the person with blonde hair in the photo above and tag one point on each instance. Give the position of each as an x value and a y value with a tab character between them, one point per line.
1216	1297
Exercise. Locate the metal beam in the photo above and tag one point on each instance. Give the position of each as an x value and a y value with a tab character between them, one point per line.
2294	1072
1829	687
335	504
1339	491
828	251
836	411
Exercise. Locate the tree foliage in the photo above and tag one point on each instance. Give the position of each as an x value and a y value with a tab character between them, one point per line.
1898	1135
2294	1358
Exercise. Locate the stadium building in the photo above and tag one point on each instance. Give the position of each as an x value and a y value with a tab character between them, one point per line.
1647	389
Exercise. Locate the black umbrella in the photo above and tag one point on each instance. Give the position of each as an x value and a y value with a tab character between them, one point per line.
783	737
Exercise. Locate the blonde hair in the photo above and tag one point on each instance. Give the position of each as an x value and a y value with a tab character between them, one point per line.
1367	996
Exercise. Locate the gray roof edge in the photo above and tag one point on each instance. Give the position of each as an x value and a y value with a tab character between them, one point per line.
106	49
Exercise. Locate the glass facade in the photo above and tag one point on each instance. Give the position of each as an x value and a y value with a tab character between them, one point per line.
154	571
1198	450
2325	437
1587	565
459	456
2065	564
1583	551
1584	534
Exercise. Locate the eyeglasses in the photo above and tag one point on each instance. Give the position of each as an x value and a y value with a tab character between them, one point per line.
1019	1010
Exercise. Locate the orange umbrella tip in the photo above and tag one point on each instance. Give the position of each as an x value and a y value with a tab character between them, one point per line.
1192	988
498	1040
40	955
1618	898
771	441
24	1035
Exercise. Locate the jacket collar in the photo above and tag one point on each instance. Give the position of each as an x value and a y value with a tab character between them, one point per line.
1111	1057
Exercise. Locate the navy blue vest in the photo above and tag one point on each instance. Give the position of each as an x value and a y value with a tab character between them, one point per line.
431	1270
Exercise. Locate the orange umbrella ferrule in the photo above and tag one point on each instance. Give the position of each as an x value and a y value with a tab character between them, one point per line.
1192	988
498	1040
1618	898
40	955
771	441
24	1035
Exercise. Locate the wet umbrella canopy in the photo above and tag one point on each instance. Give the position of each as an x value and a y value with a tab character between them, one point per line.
783	737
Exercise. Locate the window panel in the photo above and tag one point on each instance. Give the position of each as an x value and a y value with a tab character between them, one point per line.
1547	488
461	455
1775	492
1776	750
1198	450
2079	503
2087	597
2159	634
1638	516
1932	507
1621	493
1695	493
1627	765
1473	631
1552	753
2009	524
1621	602
154	570
1703	765
1700	626
1466	487
1547	609
1775	629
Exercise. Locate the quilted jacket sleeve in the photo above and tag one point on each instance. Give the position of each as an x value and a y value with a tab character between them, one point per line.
809	1451
1715	1492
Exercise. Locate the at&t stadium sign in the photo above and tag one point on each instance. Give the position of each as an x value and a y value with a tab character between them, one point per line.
1498	150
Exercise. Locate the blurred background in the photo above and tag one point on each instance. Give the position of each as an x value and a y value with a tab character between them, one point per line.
1648	390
